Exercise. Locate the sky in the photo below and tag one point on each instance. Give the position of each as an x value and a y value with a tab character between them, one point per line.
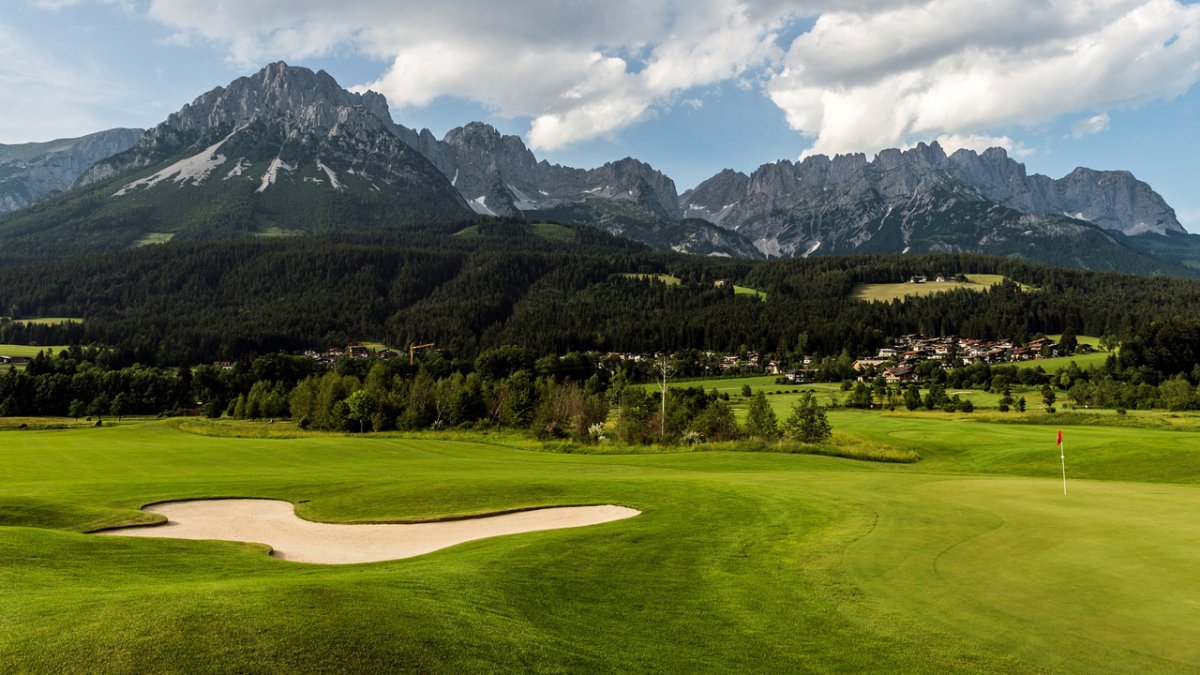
690	86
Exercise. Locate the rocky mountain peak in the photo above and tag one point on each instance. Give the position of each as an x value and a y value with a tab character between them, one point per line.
1114	200
311	97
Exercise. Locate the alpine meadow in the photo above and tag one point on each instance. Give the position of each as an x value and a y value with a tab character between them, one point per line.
902	377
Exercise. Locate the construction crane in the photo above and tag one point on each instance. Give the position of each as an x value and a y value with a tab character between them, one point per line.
412	351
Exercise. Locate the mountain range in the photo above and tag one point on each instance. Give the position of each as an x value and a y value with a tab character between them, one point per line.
287	151
33	171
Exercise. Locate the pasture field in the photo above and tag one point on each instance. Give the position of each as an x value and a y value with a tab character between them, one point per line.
547	231
28	350
668	279
1057	363
1092	340
48	320
899	291
971	560
746	290
154	238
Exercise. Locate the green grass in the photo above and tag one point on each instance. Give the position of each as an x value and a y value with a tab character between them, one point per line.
1096	359
547	231
746	290
154	238
781	396
553	232
28	350
889	292
970	560
1092	340
49	320
667	279
275	232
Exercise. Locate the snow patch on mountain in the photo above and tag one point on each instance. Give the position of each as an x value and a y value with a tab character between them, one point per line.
479	205
272	173
192	169
238	169
332	175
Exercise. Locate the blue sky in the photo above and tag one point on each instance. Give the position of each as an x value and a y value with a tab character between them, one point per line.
690	87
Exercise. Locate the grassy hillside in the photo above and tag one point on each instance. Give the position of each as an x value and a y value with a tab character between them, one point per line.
754	562
900	291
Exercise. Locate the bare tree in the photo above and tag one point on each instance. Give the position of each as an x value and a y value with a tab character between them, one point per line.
665	371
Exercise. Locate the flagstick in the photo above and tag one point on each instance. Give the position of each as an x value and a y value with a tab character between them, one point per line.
1062	446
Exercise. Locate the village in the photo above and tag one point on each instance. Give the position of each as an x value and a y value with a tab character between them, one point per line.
899	362
896	364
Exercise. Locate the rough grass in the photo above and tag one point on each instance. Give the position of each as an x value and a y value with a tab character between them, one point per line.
968	561
840	446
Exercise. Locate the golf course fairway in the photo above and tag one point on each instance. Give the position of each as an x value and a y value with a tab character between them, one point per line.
971	560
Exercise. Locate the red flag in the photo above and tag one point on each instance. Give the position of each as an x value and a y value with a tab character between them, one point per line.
1059	443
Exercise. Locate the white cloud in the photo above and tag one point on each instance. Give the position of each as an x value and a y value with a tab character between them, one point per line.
567	66
981	142
1092	125
869	74
870	78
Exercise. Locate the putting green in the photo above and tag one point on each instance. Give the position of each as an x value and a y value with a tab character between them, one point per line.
1098	581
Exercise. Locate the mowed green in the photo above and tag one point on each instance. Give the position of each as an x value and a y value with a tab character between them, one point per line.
971	560
899	291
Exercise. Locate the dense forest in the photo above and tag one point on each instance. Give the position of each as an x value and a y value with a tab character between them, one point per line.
189	303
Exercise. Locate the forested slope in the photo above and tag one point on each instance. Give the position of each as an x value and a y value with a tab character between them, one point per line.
506	284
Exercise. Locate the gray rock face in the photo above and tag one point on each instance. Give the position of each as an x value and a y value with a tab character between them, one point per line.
838	204
31	171
498	175
283	126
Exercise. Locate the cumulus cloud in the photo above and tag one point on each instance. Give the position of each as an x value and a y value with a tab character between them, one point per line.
868	74
871	78
981	142
1092	125
579	70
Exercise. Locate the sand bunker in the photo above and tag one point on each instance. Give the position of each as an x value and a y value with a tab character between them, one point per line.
275	523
